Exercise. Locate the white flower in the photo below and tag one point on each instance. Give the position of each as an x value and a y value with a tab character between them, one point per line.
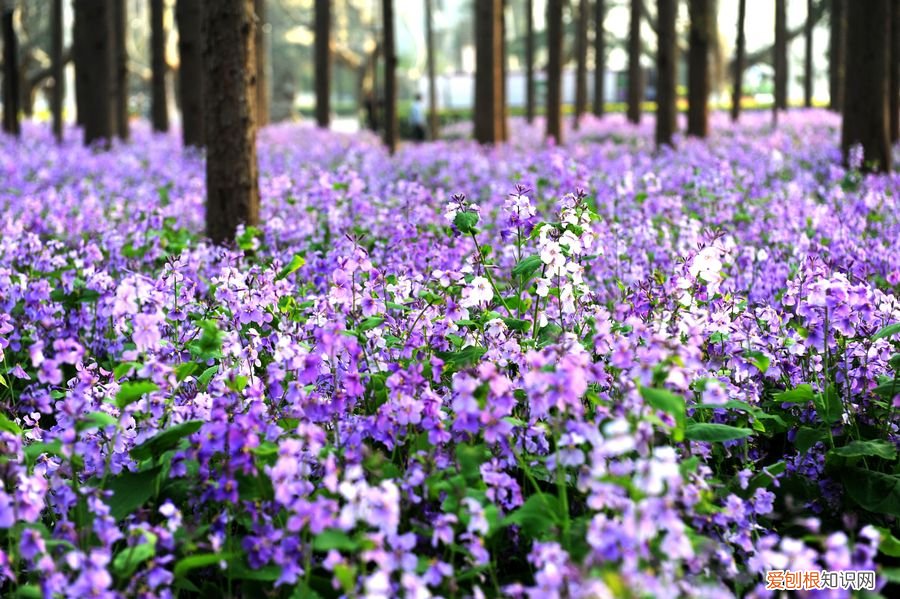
478	292
543	287
707	265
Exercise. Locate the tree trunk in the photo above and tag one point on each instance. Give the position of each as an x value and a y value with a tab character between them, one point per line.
780	59
894	66
10	72
808	57
433	124
390	76
230	93
503	77
262	70
702	23
56	58
836	54
667	61
739	60
323	62
191	73
97	64
581	48
160	113
599	57
529	61
866	119
554	70
489	71
635	76
80	61
120	20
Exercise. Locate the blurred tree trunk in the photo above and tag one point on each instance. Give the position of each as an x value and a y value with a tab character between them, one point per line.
323	62
390	76
808	57
554	70
262	69
667	61
489	81
780	61
80	61
10	71
529	61
739	60
230	108
866	119
503	65
189	18
701	33
836	54
56	60
581	49
894	84
97	66
160	113
599	57
120	19
433	123
635	76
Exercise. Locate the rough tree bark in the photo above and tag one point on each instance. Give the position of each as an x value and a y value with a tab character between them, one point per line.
230	108
599	57
262	70
866	119
56	59
489	79
189	18
10	71
554	70
97	66
701	32
780	55
390	76
529	61
739	61
323	62
120	20
808	59
635	76
159	110
836	54
433	124
667	61
581	49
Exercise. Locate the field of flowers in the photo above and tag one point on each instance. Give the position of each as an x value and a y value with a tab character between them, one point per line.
581	371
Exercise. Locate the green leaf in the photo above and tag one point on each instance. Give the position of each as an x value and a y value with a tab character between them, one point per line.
202	560
29	591
128	559
517	324
334	538
131	490
527	267
465	221
666	401
465	357
123	369
9	426
296	263
806	437
888	331
133	391
95	420
828	405
184	370
799	394
874	447
165	440
370	323
874	491
535	517
715	433
758	359
470	458
889	544
207	374
548	334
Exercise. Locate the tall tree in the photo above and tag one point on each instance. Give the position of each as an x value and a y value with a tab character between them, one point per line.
599	57
56	62
635	76
836	54
10	69
230	92
489	80
866	119
390	76
581	50
95	65
433	125
894	66
262	69
554	70
191	73
323	62
667	61
120	21
702	17
529	60
80	61
160	112
808	57
740	58
780	59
